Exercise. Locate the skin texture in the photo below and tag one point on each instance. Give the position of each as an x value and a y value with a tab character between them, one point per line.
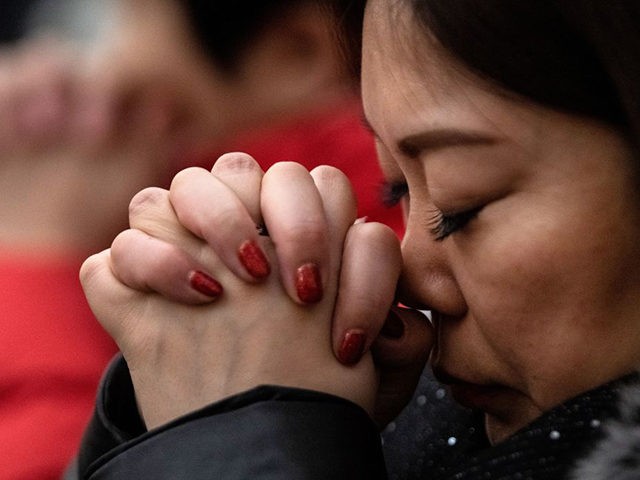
183	357
275	78
535	298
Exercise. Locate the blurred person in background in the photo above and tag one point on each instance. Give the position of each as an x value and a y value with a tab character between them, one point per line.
102	98
51	351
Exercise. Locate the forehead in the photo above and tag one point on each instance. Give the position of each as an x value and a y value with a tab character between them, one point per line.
390	29
408	81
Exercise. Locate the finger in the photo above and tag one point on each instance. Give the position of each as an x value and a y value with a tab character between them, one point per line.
340	208
406	337
212	211
294	215
242	174
146	264
371	265
400	354
104	98
150	211
43	73
94	119
148	114
8	101
110	300
30	96
115	105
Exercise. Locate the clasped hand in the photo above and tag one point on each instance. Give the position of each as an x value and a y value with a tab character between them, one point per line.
203	306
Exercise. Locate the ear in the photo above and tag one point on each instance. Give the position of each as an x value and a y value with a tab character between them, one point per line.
295	62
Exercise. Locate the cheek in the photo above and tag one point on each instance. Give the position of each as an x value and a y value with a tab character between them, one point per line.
545	280
518	319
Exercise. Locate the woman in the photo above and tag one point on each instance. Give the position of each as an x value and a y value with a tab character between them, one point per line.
513	128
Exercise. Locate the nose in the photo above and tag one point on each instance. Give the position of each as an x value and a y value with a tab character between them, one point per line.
427	281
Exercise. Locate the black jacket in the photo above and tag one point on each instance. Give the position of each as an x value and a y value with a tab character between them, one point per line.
266	433
283	433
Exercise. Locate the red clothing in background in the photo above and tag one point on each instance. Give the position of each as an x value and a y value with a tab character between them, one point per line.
52	355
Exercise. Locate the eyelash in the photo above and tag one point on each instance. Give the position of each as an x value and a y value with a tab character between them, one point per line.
441	225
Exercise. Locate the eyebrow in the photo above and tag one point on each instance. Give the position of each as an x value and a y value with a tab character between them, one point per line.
414	145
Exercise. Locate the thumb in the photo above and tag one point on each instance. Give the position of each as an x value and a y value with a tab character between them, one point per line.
400	354
113	303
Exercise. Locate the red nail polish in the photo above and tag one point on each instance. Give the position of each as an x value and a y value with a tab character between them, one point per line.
309	283
205	284
254	260
352	347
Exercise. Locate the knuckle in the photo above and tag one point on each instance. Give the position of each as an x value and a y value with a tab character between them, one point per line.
184	177
330	174
146	199
332	179
335	186
122	245
137	258
286	168
92	268
236	162
377	235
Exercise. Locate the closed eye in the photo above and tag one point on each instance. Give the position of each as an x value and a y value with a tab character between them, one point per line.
442	225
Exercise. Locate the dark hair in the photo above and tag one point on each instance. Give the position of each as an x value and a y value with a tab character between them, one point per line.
579	56
226	29
349	16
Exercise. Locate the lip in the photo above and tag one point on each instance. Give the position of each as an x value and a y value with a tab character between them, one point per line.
470	394
481	397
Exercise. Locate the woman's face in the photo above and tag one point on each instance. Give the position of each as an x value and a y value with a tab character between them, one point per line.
522	228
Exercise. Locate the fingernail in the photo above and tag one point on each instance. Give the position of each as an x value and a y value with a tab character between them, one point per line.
309	283
393	327
254	260
352	347
205	284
